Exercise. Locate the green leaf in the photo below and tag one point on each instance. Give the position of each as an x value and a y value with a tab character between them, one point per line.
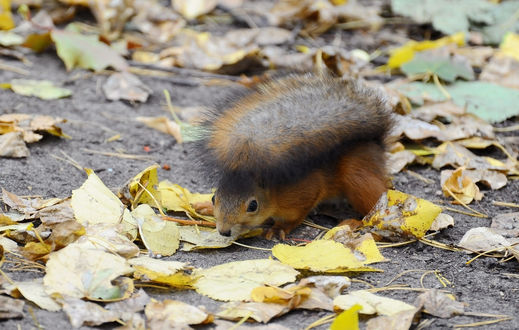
86	52
446	16
491	102
506	20
446	67
43	89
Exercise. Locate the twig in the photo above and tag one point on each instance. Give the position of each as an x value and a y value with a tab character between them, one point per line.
189	222
418	176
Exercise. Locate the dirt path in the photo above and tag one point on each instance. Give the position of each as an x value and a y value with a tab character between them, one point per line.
484	284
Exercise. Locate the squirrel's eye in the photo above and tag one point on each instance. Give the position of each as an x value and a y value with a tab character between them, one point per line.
253	206
212	199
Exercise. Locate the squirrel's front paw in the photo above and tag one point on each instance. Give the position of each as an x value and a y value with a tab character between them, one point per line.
276	232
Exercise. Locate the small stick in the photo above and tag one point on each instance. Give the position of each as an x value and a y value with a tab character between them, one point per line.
189	222
505	204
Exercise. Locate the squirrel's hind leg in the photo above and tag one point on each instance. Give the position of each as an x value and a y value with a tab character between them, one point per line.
363	174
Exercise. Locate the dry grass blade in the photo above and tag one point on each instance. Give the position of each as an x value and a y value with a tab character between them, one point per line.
505	204
252	247
322	321
482	323
476	213
419	177
355	280
14	69
119	155
440	245
313	225
507	129
403	273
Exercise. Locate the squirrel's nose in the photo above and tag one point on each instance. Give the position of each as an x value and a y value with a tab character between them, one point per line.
225	233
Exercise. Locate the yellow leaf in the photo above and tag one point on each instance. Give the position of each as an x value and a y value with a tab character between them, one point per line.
461	186
398	215
33	290
161	271
235	281
364	246
159	236
94	203
144	184
191	9
510	45
176	198
406	53
371	303
6	18
349	319
321	256
82	272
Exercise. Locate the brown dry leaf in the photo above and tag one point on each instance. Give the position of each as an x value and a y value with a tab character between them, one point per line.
506	224
430	112
159	23
111	16
398	160
82	313
321	15
125	86
126	309
204	51
400	321
82	272
414	129
456	155
439	304
109	238
162	124
466	126
483	239
28	207
260	312
57	213
442	221
174	314
33	290
10	308
12	145
457	183
477	56
502	70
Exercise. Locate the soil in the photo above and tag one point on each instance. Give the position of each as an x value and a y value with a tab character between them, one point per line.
483	285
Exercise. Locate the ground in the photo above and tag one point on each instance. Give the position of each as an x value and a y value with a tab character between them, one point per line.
484	285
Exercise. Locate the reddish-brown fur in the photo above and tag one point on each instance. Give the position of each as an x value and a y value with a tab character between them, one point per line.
359	176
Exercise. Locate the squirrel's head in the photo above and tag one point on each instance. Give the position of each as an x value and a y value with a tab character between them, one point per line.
239	207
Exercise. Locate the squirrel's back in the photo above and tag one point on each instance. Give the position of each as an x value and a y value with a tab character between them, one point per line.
285	128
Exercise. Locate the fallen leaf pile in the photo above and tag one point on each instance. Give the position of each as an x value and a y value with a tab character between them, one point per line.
453	95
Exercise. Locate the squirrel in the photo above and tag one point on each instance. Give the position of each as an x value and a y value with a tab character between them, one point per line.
279	149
